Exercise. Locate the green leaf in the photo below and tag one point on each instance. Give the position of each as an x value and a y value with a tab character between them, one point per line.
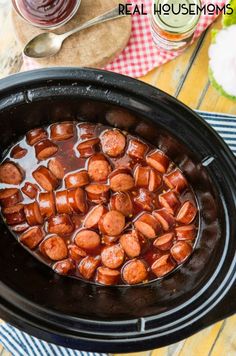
214	33
230	19
218	87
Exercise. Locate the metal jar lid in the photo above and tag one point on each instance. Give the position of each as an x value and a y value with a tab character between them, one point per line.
171	21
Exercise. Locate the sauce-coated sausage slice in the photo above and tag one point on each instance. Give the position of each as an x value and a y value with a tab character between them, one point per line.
113	256
55	248
176	180
112	223
45	178
86	131
88	148
62	203
77	179
121	182
148	226
20	227
18	152
187	213
98	168
14	214
180	251
10	197
137	149
77	200
60	224
113	142
98	193
107	276
87	240
93	217
56	168
32	237
36	135
62	131
144	200
45	149
30	189
47	204
130	244
109	240
76	253
155	181
158	160
64	267
164	242
162	266
134	272
11	173
187	232
33	214
141	176
88	266
122	202
170	201
165	218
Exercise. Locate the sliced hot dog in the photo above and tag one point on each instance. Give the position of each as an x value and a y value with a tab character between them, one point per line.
33	214
180	251
88	266
112	223
18	152
176	180
11	173
134	272
77	200
62	203
107	276
112	256
158	160
86	130
144	200
141	176
87	240
162	266
47	204
155	181
165	218
113	142
130	244
148	226
187	232
10	197
89	147
122	202
30	189
14	215
98	168
137	149
45	149
36	135
93	217
64	267
121	182
56	168
187	213
98	193
76	253
55	248
60	224
45	178
170	201
164	242
20	227
32	237
77	179
62	131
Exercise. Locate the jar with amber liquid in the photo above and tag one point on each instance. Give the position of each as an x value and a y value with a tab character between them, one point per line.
173	23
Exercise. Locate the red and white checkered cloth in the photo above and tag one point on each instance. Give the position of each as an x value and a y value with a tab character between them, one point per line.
141	55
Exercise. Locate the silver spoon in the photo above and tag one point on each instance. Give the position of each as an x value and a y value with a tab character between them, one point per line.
48	44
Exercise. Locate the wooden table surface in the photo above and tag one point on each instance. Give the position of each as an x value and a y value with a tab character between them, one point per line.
187	79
